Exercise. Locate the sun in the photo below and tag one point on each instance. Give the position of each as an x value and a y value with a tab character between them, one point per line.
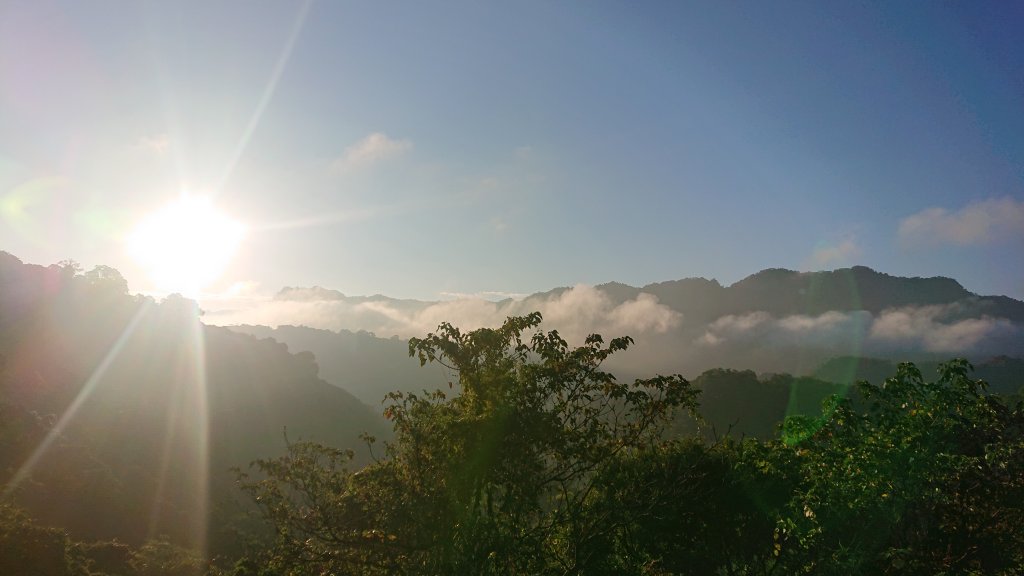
185	245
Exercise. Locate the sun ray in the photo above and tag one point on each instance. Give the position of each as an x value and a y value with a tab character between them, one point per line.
69	414
165	467
268	92
319	220
200	432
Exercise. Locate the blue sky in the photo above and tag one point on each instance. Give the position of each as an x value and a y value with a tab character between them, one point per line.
424	149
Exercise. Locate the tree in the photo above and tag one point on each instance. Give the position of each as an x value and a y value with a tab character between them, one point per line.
105	278
927	478
692	508
539	462
498	479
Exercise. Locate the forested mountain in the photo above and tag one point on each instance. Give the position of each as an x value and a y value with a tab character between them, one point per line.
123	416
1003	374
784	292
775	321
776	291
363	364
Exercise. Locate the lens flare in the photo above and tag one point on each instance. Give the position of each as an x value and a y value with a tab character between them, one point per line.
185	245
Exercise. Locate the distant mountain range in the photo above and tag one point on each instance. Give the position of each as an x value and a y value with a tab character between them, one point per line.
785	292
776	291
774	321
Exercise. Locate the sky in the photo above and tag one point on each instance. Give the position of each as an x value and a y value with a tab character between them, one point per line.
433	149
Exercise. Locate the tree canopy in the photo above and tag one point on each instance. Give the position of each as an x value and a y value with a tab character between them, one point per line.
498	479
542	463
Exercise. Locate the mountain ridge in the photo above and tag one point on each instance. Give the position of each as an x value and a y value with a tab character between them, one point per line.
772	321
778	291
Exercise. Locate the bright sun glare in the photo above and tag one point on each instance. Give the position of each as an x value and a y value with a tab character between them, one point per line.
185	245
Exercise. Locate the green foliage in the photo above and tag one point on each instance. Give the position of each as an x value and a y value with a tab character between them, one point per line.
546	464
690	508
928	478
28	548
500	479
162	558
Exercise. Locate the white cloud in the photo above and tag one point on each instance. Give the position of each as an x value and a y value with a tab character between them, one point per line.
574	312
921	326
802	323
733	327
583	310
666	343
369	150
985	222
833	328
846	252
926	328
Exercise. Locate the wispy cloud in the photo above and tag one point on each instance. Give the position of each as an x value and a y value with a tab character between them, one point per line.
845	252
985	222
828	329
370	150
483	295
499	224
927	328
157	144
326	219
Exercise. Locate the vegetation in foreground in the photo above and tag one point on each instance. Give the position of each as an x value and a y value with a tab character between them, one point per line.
545	464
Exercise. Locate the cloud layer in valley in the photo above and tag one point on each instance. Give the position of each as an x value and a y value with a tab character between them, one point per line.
931	329
666	340
575	312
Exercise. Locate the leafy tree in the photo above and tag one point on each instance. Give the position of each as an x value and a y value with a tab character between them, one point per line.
500	479
108	279
28	548
691	508
928	478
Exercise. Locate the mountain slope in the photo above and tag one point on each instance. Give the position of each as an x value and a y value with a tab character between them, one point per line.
367	366
150	409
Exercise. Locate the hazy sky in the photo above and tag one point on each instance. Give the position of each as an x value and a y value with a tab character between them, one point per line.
421	149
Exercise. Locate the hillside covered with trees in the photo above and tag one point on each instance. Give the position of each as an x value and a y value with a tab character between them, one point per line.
135	440
121	418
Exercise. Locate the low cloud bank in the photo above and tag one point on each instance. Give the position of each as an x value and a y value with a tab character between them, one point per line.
666	341
923	328
831	329
575	313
